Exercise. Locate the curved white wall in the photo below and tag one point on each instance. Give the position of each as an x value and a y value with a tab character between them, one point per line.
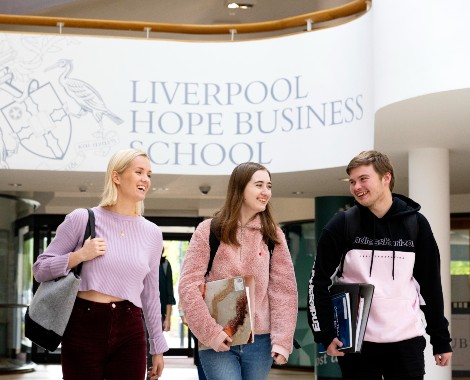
420	47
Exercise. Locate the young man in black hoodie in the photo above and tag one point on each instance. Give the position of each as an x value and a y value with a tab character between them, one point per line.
402	263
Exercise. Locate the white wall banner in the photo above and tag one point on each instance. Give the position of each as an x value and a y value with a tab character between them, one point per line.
293	103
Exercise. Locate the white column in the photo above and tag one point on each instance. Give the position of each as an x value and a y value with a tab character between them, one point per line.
429	186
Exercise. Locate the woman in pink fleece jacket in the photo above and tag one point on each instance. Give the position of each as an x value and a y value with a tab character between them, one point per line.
243	225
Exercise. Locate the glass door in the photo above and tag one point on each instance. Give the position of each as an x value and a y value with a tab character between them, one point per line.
178	336
460	294
42	231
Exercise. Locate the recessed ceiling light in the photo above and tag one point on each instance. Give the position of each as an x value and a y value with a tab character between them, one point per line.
15	184
239	5
297	192
343	179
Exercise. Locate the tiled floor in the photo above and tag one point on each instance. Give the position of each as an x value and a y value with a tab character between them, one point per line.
175	368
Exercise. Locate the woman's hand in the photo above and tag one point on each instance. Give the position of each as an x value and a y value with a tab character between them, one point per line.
155	371
224	346
278	358
91	249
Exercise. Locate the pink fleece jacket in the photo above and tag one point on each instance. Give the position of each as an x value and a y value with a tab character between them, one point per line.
275	287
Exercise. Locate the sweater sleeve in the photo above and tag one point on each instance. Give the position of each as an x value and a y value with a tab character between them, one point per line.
53	262
329	253
150	298
427	274
283	298
195	311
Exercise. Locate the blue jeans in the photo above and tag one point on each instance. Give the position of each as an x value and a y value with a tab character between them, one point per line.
244	362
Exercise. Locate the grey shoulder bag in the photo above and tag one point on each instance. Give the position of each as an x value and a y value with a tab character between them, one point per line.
50	309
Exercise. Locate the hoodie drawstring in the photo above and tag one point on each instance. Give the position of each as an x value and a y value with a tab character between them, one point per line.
393	249
373	249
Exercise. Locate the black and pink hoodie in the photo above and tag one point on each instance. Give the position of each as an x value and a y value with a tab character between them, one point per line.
404	267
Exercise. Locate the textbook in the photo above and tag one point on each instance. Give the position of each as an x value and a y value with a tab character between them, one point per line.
360	300
231	303
341	320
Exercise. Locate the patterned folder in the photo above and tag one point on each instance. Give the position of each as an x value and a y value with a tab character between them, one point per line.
230	302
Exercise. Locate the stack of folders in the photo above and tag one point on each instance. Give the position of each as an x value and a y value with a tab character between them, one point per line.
351	306
231	303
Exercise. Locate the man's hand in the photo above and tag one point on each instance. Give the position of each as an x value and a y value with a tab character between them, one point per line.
443	360
166	324
332	349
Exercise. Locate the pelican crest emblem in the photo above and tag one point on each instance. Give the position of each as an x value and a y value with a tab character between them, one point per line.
88	98
36	117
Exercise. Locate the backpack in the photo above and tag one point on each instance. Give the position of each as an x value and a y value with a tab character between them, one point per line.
214	246
351	225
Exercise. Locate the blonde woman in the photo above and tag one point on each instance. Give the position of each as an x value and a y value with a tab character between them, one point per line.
105	336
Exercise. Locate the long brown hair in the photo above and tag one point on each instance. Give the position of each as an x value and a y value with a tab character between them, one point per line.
226	219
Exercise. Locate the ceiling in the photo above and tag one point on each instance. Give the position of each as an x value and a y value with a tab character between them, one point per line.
205	12
399	127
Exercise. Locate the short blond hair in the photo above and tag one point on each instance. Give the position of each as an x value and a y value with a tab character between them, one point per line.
379	161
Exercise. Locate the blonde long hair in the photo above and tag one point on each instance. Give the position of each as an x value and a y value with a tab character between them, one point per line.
119	162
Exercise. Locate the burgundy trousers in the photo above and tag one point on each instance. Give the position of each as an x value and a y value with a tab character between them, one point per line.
104	341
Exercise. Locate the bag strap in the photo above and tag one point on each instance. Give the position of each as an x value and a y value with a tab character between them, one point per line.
89	232
351	225
214	246
271	246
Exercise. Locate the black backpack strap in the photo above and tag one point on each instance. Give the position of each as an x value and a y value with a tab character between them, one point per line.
89	232
214	246
271	246
411	222
351	223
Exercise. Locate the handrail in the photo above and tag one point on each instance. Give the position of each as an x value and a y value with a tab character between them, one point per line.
349	9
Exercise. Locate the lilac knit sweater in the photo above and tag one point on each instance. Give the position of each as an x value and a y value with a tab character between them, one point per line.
275	287
128	270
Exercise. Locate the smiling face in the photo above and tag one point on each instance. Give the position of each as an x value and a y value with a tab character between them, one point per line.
257	194
369	189
134	182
